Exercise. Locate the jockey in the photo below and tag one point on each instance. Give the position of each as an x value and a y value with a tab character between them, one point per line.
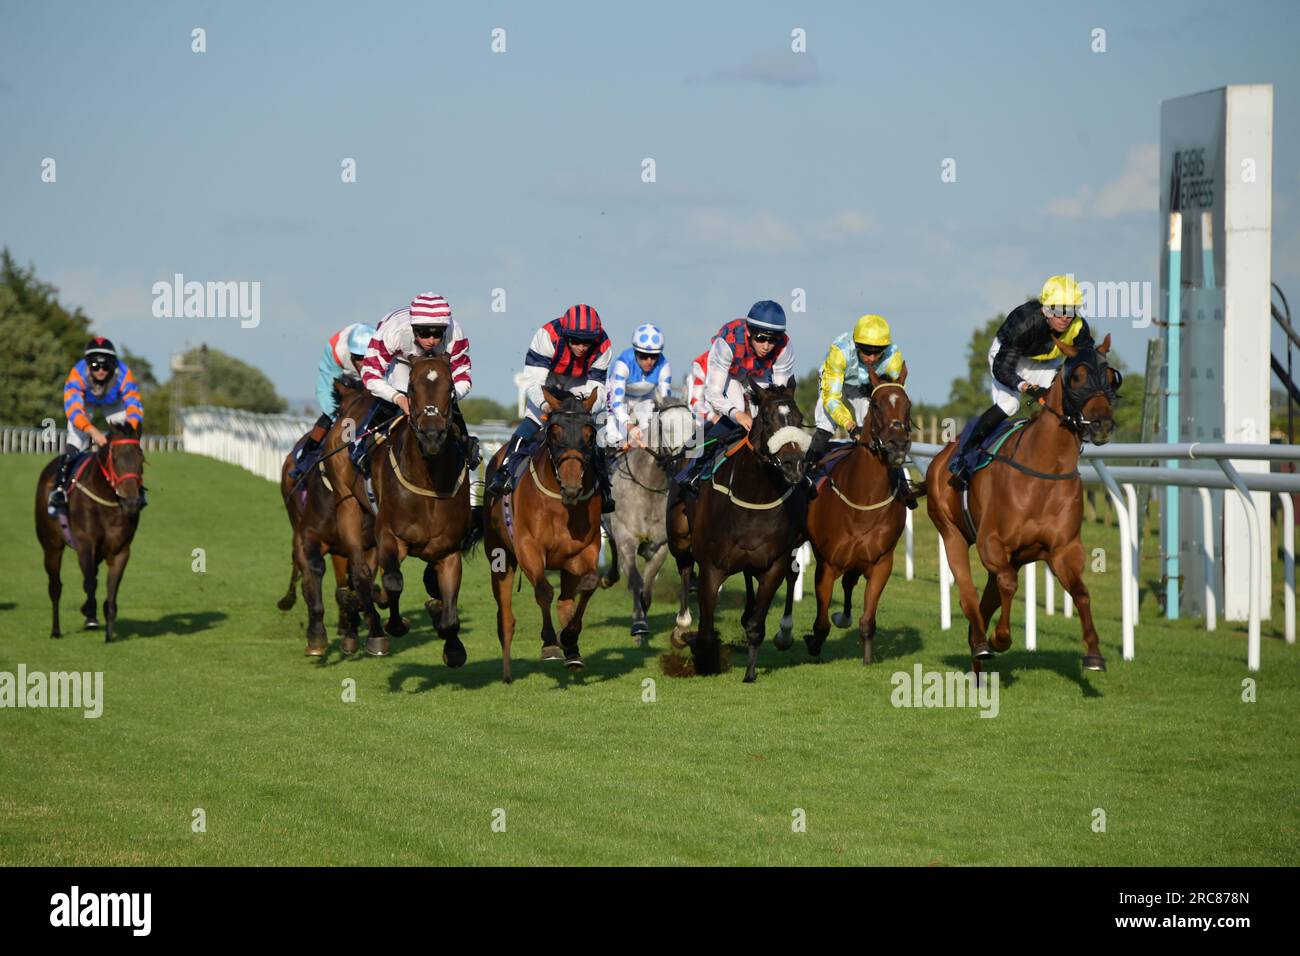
844	392
637	377
342	358
695	391
98	382
1024	359
574	347
423	328
753	349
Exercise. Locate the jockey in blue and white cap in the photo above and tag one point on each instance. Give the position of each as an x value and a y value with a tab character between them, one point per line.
636	378
341	359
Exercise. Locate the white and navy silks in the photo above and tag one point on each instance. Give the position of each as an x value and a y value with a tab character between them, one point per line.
632	394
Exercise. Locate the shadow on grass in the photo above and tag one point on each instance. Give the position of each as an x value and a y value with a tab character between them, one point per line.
608	663
7	605
177	623
1068	664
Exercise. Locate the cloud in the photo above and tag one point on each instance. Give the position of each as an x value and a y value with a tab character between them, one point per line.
776	68
1135	190
720	233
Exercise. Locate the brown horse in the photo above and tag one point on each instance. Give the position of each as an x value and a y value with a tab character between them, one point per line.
856	520
295	495
554	524
104	500
1027	504
421	484
749	518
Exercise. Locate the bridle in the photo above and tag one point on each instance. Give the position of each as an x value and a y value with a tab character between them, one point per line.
876	446
110	473
1096	382
573	447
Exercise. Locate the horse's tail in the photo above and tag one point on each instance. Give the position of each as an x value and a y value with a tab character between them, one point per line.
474	533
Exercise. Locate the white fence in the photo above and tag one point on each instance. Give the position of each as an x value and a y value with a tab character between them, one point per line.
43	441
1096	471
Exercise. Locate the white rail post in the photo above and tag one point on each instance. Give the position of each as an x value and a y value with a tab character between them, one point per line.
1288	565
1207	554
1049	590
945	596
1031	606
1130	495
1067	604
1125	554
1252	523
802	556
909	568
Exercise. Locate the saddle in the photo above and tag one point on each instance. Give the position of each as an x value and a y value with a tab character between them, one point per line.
979	457
835	452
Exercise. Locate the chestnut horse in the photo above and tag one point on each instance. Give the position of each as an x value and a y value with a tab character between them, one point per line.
553	524
856	520
749	518
104	499
1027	505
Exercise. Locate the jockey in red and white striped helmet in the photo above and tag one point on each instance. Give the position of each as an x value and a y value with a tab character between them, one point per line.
425	327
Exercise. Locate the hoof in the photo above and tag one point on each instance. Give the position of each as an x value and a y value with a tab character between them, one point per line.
56	634
552	652
434	607
312	651
348	645
784	640
377	646
454	657
840	619
91	624
1094	662
1000	645
981	652
640	628
678	638
507	679
814	644
749	680
574	663
397	628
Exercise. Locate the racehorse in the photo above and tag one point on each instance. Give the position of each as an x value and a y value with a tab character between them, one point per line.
551	521
856	520
421	485
295	496
750	517
637	527
105	494
1027	504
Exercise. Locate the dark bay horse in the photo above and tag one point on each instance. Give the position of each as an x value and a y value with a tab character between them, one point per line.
749	518
856	520
104	498
553	524
421	484
1027	505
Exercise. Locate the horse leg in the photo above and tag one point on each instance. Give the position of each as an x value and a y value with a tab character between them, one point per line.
686	569
116	565
533	564
748	613
824	587
707	647
877	578
311	566
345	598
363	577
1004	571
842	618
990	602
785	633
291	595
503	583
957	549
1067	565
53	564
449	573
89	573
625	546
650	573
392	550
571	586
767	585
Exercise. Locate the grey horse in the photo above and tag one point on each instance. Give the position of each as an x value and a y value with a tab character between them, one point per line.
638	527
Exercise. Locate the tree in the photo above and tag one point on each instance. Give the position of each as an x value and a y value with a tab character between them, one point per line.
480	409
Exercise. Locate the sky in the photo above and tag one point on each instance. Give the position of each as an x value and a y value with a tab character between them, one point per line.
523	170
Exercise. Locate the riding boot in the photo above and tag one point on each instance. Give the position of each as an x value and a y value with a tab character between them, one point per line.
990	420
58	494
602	478
905	490
816	448
502	481
472	454
310	446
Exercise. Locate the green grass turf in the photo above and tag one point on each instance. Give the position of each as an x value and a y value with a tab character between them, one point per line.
211	704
